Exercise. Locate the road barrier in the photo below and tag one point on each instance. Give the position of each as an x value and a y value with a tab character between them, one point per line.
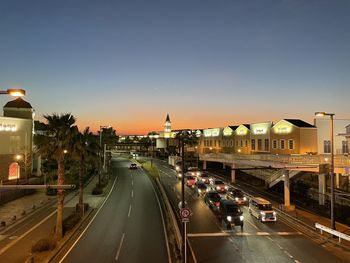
333	232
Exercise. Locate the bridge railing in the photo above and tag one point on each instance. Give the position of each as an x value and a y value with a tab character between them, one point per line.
339	160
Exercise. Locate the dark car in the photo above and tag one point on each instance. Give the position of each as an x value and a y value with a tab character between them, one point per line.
237	196
212	199
205	178
230	214
133	166
200	188
218	185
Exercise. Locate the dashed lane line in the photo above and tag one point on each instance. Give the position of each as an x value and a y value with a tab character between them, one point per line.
129	211
120	247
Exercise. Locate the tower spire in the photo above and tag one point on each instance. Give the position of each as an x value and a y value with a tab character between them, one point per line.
167	124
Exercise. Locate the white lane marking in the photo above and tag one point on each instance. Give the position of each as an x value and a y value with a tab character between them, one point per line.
296	261
132	182
120	247
269	238
132	193
164	229
218	234
289	255
76	241
263	233
26	233
129	211
279	246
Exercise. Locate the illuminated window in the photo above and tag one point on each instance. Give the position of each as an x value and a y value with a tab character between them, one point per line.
291	144
274	144
267	145
253	144
259	144
282	144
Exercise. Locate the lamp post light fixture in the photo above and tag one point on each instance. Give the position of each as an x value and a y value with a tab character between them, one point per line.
331	115
13	92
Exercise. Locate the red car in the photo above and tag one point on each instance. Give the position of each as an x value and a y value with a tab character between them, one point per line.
190	181
218	186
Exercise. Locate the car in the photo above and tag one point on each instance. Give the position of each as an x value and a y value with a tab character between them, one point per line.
178	166
218	185
193	171
205	178
230	214
133	166
236	195
190	181
261	209
200	188
212	199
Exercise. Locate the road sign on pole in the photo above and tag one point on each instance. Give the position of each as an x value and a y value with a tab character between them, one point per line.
185	214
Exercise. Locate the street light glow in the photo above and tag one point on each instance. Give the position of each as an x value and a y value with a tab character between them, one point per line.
320	113
16	92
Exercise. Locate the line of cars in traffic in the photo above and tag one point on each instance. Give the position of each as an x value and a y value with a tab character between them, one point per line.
225	200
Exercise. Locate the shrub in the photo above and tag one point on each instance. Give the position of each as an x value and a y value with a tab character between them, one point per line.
44	244
70	222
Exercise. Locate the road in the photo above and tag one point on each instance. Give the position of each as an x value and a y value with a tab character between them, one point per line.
259	242
128	227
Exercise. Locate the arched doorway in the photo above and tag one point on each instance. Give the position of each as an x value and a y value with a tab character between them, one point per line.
14	171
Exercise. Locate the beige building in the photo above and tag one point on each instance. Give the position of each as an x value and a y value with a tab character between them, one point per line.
211	141
260	137
293	136
242	139
16	140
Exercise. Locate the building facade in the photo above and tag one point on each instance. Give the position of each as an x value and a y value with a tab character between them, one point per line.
16	140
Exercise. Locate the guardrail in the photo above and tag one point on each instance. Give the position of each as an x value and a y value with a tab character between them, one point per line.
333	232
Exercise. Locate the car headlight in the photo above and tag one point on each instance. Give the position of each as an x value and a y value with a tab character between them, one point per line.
199	190
180	175
236	198
241	218
177	168
229	218
245	198
262	213
218	188
226	187
274	213
192	173
198	173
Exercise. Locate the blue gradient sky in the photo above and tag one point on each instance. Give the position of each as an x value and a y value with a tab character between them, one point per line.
207	63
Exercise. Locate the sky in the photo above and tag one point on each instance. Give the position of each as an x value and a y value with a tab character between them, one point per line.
207	63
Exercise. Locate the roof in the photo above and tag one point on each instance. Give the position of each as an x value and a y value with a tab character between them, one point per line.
246	125
18	103
300	123
167	118
233	127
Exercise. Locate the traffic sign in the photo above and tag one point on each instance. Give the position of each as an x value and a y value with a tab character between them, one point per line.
185	214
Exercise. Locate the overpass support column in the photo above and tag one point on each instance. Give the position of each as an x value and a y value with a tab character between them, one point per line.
286	189
233	173
337	180
323	170
223	165
204	165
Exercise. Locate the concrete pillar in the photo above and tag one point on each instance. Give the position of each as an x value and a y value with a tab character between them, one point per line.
233	174
323	170
204	165
337	180
286	189
223	165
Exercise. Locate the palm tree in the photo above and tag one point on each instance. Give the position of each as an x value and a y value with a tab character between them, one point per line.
56	142
84	146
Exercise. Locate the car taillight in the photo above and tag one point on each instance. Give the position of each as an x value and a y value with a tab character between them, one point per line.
217	204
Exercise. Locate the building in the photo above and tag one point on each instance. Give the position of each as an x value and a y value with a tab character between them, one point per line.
16	140
260	137
242	139
293	136
323	135
211	140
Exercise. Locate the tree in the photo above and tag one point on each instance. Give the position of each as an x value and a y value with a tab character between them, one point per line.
55	142
84	146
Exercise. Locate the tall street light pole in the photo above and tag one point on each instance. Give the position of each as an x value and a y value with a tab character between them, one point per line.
331	115
13	92
100	153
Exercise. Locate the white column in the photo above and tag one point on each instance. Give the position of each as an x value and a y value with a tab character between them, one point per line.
323	170
233	173
286	188
337	180
204	165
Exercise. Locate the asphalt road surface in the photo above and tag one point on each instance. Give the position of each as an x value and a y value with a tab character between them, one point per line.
128	227
270	242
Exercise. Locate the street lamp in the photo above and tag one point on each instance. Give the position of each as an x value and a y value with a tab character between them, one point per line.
13	92
18	158
331	115
100	164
